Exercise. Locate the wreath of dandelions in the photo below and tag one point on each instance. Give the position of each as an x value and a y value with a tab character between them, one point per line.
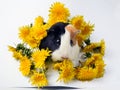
34	62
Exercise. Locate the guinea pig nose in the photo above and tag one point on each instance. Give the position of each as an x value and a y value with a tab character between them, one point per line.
64	57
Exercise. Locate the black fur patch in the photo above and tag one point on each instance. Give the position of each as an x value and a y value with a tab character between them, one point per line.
53	39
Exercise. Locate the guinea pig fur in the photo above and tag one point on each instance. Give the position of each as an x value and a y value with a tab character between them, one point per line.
53	39
61	41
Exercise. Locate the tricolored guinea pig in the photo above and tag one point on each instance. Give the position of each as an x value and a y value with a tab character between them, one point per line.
62	42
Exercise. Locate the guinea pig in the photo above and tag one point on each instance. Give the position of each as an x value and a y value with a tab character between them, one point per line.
62	42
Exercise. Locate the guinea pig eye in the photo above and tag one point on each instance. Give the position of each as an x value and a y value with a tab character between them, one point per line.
58	42
71	42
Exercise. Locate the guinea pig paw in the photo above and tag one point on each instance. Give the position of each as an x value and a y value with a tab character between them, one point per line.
64	57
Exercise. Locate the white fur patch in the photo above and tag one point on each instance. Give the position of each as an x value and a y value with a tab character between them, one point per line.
66	50
63	49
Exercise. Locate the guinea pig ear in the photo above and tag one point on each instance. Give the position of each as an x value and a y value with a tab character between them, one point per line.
73	32
76	32
73	38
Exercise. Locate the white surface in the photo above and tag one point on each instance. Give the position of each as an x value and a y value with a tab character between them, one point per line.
105	14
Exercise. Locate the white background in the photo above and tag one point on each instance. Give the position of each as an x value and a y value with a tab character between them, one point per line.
105	14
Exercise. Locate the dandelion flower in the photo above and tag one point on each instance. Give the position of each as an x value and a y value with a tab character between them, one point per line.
39	33
98	47
34	39
93	59
25	65
57	65
16	54
32	42
67	74
24	32
45	52
86	73
38	21
96	62
67	71
39	57
89	61
39	79
100	66
97	56
12	49
58	13
102	44
78	22
33	35
67	63
90	47
80	38
88	28
36	35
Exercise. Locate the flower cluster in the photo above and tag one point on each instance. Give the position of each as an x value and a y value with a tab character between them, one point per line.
66	69
34	62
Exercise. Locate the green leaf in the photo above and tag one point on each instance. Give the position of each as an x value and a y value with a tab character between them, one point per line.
87	41
97	50
88	54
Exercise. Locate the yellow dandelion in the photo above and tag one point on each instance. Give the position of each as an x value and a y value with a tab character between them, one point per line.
97	56
57	65
80	38
67	63
96	62
32	42
98	47
24	32
25	65
90	47
86	73
32	36
46	26
58	13
38	21
88	28
67	71
16	54
102	44
93	59
38	33
100	66
78	22
39	79
89	61
85	28
46	52
39	57
67	74
12	49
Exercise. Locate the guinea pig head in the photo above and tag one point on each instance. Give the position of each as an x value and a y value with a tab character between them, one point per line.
62	42
69	48
53	39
